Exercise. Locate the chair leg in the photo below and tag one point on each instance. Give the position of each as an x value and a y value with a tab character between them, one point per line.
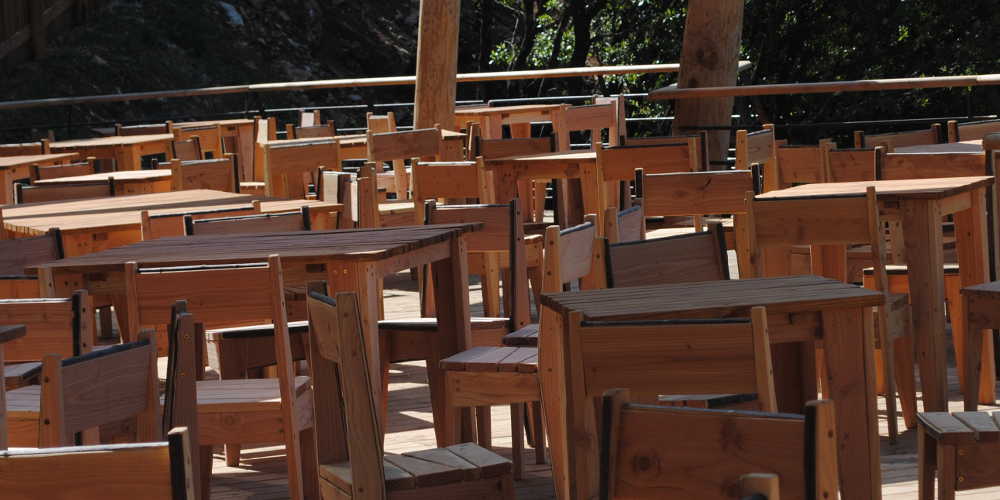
517	438
484	427
956	313
890	386
205	487
535	280
233	454
538	429
310	471
927	459
946	472
490	282
107	327
507	488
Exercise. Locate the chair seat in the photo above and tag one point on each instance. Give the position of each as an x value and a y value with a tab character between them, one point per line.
244	394
526	336
427	468
494	359
266	330
20	374
395	207
430	324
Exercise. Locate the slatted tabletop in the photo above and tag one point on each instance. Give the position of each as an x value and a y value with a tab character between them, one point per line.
785	294
11	332
127	175
894	189
356	244
114	140
22	160
975	146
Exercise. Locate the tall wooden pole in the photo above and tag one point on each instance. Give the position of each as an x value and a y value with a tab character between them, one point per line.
437	63
709	58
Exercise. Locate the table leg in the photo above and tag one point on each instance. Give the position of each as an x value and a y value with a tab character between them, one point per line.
851	385
925	254
451	290
7	183
363	279
127	159
973	265
552	379
592	190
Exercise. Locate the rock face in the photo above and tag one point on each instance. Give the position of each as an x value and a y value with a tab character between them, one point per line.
141	45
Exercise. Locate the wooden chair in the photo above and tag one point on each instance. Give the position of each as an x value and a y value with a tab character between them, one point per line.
959	447
8	333
220	174
208	139
82	393
354	465
693	452
971	130
61	192
758	147
16	255
809	221
625	225
186	150
713	356
591	118
160	470
167	225
486	375
299	220
289	167
894	140
395	147
340	187
269	410
87	167
146	129
59	326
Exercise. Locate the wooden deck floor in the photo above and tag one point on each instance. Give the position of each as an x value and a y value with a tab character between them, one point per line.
261	475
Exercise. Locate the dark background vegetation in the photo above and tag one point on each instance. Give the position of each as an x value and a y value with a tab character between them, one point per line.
139	45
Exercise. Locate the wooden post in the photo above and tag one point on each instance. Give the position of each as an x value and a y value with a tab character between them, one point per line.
437	63
36	10
709	58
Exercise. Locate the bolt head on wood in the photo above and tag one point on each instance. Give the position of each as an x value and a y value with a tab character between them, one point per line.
991	142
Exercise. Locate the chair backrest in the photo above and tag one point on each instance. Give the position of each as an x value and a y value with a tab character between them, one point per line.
696	193
853	165
339	187
894	140
60	326
26	148
797	165
166	225
502	148
341	370
696	144
281	222
87	167
287	166
388	146
458	179
589	117
620	163
931	165
502	232
145	129
64	191
328	130
18	254
625	225
309	118
699	256
570	255
707	454
378	124
100	387
971	130
220	174
832	220
187	150
108	471
617	134
758	147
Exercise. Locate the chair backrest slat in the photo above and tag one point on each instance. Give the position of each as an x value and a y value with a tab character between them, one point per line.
24	149
61	192
432	180
247	224
682	258
519	146
66	170
620	163
18	254
61	326
575	249
932	165
418	143
971	130
893	140
144	129
286	165
625	225
166	225
696	145
219	174
312	131
854	165
697	193
187	150
755	147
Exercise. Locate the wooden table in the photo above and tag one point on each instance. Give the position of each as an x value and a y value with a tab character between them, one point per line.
973	146
90	226
920	204
241	128
801	309
127	151
13	168
492	119
126	182
507	172
350	260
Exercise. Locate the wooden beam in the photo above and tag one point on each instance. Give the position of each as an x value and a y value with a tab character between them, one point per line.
343	83
437	63
828	87
709	57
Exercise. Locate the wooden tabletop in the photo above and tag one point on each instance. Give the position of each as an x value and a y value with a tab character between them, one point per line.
903	188
547	158
991	288
124	175
975	146
354	244
17	161
114	140
11	332
523	108
713	298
